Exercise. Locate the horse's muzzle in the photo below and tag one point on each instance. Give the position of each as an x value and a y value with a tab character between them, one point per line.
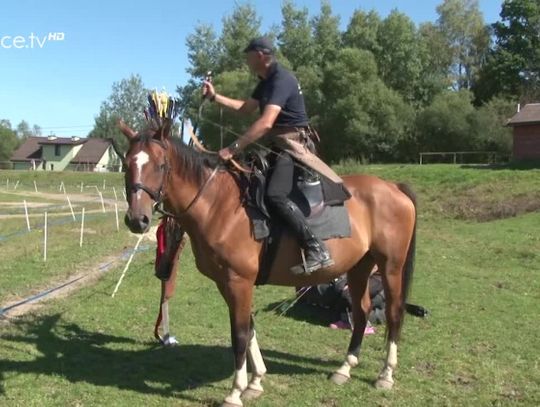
137	223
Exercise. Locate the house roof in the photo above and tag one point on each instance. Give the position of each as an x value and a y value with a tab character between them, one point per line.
29	150
92	151
529	114
62	140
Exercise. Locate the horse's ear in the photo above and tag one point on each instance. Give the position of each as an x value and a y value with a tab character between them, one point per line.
126	130
166	130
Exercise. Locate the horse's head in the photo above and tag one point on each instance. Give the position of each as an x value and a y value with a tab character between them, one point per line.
146	174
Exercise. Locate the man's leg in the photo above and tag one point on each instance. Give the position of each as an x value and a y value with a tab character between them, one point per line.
278	190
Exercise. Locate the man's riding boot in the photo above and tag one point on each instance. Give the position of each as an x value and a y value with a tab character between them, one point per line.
315	252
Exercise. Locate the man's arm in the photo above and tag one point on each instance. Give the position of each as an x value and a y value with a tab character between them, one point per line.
255	131
241	106
261	126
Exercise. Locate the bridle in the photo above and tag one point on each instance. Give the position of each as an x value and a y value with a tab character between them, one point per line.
157	196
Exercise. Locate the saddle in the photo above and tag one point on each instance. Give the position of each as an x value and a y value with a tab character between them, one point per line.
307	187
319	199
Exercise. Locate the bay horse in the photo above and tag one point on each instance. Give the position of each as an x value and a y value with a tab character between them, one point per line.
205	199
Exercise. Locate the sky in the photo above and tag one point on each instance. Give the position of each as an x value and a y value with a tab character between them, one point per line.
59	58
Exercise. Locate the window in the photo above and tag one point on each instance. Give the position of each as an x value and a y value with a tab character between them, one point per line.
57	149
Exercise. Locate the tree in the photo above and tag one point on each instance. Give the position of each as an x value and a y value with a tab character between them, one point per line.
203	51
513	67
23	130
489	126
238	29
445	125
398	55
362	31
8	141
463	27
127	102
326	34
436	57
295	38
36	130
362	116
310	79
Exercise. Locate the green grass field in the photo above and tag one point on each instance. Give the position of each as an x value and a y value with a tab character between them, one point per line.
477	273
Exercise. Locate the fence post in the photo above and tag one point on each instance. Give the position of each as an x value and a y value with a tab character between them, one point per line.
45	239
82	228
26	214
102	202
71	208
117	222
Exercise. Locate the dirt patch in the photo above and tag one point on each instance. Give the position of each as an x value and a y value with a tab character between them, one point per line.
86	231
15	204
75	197
328	402
85	276
426	368
512	394
482	349
50	214
463	380
474	205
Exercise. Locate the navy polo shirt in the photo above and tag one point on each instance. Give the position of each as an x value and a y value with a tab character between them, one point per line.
281	88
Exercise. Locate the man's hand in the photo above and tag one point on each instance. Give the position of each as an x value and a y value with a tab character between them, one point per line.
225	154
208	90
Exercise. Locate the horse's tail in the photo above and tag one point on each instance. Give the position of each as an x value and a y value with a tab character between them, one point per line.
408	268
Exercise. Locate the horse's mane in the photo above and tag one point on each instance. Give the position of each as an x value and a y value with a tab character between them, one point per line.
192	163
188	161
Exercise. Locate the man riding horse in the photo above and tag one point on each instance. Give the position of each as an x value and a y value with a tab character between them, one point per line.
284	120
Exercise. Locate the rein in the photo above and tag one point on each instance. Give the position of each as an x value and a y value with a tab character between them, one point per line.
202	148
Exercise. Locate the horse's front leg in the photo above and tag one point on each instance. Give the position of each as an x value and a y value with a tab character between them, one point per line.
254	389
238	294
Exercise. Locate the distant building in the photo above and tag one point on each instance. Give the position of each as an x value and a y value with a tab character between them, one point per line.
526	129
66	153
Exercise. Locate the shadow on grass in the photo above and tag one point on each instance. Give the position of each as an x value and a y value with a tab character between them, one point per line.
68	351
304	312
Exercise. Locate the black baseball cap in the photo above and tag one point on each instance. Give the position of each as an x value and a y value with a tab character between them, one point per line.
261	44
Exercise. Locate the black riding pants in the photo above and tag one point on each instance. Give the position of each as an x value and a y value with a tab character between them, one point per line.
280	184
278	196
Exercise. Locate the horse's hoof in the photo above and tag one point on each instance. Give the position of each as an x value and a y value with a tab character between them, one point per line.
251	394
339	378
383	384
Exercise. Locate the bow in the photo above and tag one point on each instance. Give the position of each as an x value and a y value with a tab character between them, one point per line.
207	78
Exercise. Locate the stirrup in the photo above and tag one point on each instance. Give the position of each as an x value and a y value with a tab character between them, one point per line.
303	269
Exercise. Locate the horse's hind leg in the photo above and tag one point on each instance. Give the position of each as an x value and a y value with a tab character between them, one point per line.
391	272
358	286
254	389
168	288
